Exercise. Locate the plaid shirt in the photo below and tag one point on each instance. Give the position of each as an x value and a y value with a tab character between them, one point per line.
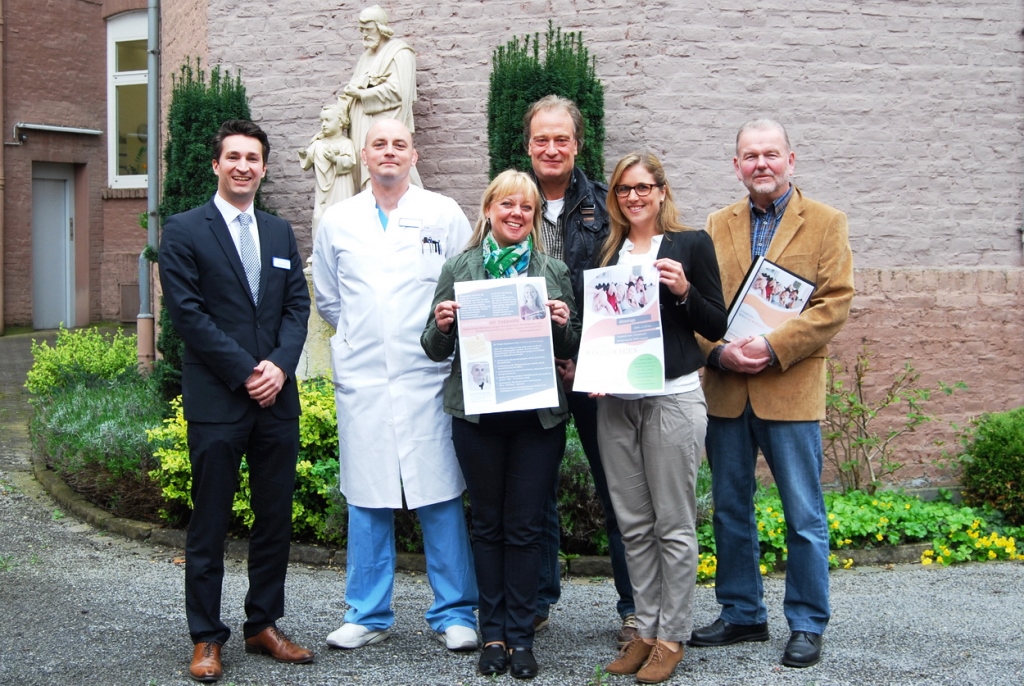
763	224
552	233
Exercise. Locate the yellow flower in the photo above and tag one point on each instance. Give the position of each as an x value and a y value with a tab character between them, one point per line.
848	563
764	570
991	554
760	526
847	541
927	560
906	506
835	525
879	536
831	515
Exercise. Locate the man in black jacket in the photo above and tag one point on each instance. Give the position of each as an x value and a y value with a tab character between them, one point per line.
575	226
233	284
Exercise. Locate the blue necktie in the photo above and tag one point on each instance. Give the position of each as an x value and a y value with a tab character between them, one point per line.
250	256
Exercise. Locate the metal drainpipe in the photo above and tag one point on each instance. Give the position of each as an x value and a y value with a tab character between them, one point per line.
145	324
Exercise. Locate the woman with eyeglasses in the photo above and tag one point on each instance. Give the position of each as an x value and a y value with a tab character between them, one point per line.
509	459
651	443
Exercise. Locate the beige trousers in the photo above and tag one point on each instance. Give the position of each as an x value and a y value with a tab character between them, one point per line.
650	448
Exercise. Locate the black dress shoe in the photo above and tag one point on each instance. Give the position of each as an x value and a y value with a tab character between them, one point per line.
522	663
722	633
493	660
803	649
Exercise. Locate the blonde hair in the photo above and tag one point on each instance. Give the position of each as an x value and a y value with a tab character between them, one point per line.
508	182
667	220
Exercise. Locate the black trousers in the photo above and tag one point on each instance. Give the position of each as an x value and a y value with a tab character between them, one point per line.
510	463
271	446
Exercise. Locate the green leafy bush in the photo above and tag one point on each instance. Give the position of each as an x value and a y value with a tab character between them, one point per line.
317	509
92	436
858	520
993	466
81	356
519	78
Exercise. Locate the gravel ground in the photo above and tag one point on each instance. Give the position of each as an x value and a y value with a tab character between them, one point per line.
84	607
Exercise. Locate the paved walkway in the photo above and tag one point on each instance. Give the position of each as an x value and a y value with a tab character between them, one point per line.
80	606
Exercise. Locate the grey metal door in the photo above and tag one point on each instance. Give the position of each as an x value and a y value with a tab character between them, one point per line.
53	245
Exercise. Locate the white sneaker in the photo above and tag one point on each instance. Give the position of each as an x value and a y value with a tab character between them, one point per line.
458	638
350	635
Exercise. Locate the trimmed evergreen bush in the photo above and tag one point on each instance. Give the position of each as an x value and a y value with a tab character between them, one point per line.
993	468
519	78
198	108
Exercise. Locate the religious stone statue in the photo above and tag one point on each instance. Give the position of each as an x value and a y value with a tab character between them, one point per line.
383	85
333	158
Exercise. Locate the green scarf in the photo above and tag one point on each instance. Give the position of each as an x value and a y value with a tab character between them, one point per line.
506	262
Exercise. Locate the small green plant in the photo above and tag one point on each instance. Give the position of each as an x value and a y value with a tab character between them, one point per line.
57	515
993	465
600	677
6	563
81	356
864	455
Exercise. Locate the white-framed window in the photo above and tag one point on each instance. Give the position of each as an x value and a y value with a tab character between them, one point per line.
127	128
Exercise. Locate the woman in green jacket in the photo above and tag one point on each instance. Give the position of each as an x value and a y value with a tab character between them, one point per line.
509	459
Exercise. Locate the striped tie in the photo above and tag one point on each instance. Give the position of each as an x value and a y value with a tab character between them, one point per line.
250	257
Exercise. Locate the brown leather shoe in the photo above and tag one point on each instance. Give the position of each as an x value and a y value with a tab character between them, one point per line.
631	657
205	662
272	641
659	665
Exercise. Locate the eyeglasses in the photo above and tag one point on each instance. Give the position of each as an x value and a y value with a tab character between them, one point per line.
641	189
561	143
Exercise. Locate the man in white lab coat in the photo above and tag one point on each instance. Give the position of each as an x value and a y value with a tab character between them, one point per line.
376	261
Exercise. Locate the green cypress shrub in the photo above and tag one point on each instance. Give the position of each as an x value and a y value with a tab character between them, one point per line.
519	78
993	467
198	108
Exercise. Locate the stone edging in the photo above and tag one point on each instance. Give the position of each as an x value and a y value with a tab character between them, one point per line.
322	556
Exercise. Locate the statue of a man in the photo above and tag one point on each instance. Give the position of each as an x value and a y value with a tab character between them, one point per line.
383	85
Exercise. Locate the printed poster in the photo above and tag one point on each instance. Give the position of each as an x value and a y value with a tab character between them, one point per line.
507	357
769	296
621	350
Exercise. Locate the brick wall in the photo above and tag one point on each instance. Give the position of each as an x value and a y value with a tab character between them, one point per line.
951	325
907	115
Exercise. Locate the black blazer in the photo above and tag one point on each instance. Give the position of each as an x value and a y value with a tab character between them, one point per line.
704	310
225	334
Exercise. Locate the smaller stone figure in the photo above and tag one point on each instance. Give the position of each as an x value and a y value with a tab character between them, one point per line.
333	157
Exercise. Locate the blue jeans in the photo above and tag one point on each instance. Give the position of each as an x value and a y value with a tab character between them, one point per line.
584	413
370	570
793	453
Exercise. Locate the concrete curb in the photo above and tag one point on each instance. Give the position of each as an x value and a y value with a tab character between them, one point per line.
323	556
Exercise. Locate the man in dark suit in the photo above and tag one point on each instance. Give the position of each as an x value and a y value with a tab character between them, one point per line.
233	284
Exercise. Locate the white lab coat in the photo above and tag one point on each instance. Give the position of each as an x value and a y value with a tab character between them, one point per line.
375	287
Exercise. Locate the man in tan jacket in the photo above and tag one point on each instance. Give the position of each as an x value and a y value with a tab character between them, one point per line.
767	393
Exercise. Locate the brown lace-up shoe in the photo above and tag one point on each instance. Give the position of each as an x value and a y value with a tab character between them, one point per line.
659	665
205	662
631	657
272	641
